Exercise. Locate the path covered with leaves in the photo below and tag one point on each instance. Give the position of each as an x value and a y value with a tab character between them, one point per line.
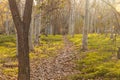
58	67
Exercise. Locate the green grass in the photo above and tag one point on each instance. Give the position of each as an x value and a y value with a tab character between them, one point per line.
100	61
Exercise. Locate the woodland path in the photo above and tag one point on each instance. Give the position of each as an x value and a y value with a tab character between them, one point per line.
57	67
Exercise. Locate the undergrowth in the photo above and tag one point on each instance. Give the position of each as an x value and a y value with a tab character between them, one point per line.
100	61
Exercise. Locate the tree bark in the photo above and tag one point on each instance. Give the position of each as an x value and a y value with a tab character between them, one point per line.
7	24
22	27
37	30
86	25
72	18
23	56
30	36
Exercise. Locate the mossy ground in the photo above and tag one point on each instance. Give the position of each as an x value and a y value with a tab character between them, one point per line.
47	48
100	61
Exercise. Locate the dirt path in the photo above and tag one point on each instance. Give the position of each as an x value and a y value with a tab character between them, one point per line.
58	67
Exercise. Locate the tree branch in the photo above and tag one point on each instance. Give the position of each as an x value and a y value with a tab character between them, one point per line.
27	14
111	6
15	13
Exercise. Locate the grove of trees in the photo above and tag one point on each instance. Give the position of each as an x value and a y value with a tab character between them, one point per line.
30	19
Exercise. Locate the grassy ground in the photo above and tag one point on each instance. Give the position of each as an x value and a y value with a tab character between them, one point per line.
100	61
47	48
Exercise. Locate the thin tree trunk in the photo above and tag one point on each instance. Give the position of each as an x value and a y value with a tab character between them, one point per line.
51	29
30	36
72	18
16	45
37	31
86	25
7	24
31	46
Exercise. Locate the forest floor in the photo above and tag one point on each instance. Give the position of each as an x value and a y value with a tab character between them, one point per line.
57	67
53	59
60	58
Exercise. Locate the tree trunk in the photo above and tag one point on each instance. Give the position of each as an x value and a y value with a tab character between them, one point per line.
23	56
111	30
16	45
7	24
72	18
31	46
86	25
30	36
91	22
22	26
37	30
51	26
49	29
21	9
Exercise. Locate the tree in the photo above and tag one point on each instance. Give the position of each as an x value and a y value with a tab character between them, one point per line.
31	46
72	17
22	27
37	24
37	30
86	25
7	24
